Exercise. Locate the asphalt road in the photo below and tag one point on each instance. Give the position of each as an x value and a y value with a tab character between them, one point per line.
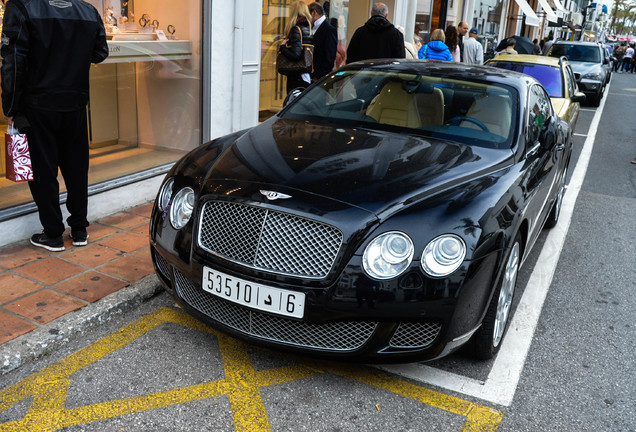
155	369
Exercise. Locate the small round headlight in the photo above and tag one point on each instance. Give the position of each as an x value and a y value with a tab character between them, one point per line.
181	208
165	194
443	255
388	255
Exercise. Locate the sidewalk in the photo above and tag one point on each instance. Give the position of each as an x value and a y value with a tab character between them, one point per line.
38	286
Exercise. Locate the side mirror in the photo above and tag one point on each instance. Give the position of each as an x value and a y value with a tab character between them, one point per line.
578	97
292	95
605	60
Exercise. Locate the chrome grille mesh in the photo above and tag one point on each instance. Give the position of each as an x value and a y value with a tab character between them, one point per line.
337	336
162	265
415	335
268	240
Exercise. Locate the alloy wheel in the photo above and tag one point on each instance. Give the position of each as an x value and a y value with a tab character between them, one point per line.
506	294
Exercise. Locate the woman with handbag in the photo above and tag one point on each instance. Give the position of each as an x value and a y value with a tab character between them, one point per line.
298	40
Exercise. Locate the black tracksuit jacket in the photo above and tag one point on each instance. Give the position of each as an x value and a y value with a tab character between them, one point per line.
47	49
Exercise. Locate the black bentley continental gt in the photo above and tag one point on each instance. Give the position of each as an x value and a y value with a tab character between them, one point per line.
382	214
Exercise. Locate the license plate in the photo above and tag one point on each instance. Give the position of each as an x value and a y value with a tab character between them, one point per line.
253	295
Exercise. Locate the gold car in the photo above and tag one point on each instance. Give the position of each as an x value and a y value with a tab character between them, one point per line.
555	74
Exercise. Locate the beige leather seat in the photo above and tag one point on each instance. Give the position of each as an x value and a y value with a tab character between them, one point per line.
395	106
493	111
431	107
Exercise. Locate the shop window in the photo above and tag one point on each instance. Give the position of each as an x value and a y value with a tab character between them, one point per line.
145	99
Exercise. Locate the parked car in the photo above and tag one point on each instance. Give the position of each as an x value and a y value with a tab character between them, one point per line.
555	75
382	213
590	63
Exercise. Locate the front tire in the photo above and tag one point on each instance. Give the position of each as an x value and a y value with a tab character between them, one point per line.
486	342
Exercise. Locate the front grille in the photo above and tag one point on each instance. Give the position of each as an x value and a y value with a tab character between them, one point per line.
268	240
338	336
162	265
415	335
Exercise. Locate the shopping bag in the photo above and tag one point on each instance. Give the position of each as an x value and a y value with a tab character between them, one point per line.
305	64
18	162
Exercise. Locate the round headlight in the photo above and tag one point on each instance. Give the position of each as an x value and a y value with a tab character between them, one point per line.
388	255
181	208
165	194
443	255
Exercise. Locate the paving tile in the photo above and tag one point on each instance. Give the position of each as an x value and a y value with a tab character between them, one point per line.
142	229
91	286
92	255
129	268
125	242
50	271
143	254
44	306
123	220
12	326
16	256
98	231
13	286
142	210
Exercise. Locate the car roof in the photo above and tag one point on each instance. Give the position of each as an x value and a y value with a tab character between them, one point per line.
567	42
528	58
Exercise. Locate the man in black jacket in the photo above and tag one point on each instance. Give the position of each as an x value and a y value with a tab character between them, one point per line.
325	42
47	50
377	38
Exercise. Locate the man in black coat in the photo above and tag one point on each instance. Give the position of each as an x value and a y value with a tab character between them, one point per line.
325	42
47	51
377	38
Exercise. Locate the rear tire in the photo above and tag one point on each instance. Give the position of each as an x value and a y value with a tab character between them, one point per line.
486	341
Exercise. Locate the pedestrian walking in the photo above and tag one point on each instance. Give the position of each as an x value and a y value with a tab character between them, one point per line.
47	50
618	53
536	49
452	42
627	59
436	49
462	29
409	50
297	33
377	38
473	50
325	42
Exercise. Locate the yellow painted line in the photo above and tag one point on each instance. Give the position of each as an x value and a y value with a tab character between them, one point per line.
241	385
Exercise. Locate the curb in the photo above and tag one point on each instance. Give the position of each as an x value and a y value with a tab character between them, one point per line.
58	332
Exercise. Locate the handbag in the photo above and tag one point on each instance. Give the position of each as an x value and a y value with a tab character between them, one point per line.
305	64
18	162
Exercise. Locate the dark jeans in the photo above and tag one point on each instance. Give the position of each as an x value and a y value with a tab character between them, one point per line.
627	63
59	139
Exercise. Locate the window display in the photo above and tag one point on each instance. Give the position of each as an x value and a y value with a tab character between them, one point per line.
145	99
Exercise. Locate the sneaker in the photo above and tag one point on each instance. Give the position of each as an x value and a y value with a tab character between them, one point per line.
634	161
80	237
54	244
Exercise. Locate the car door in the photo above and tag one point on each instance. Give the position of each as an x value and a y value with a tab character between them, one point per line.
572	113
542	158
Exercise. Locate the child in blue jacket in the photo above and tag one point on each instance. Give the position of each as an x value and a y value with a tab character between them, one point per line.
436	49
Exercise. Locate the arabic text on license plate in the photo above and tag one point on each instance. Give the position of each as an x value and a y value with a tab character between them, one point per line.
254	295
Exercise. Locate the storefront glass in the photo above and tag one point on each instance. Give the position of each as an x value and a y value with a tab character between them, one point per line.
145	99
275	13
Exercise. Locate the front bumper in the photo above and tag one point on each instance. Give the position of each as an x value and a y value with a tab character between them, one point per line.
405	320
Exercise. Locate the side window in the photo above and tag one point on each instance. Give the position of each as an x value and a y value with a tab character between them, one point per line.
539	110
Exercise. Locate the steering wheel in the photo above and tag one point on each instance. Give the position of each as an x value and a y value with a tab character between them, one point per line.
455	121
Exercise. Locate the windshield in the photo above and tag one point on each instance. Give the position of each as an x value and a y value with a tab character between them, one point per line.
550	77
580	53
470	112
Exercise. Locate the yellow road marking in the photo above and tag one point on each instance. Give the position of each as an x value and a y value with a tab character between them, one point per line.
241	385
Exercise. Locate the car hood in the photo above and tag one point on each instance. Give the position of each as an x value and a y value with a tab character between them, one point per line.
370	169
585	67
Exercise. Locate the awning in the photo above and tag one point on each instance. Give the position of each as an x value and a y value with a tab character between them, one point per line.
531	17
549	13
558	5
